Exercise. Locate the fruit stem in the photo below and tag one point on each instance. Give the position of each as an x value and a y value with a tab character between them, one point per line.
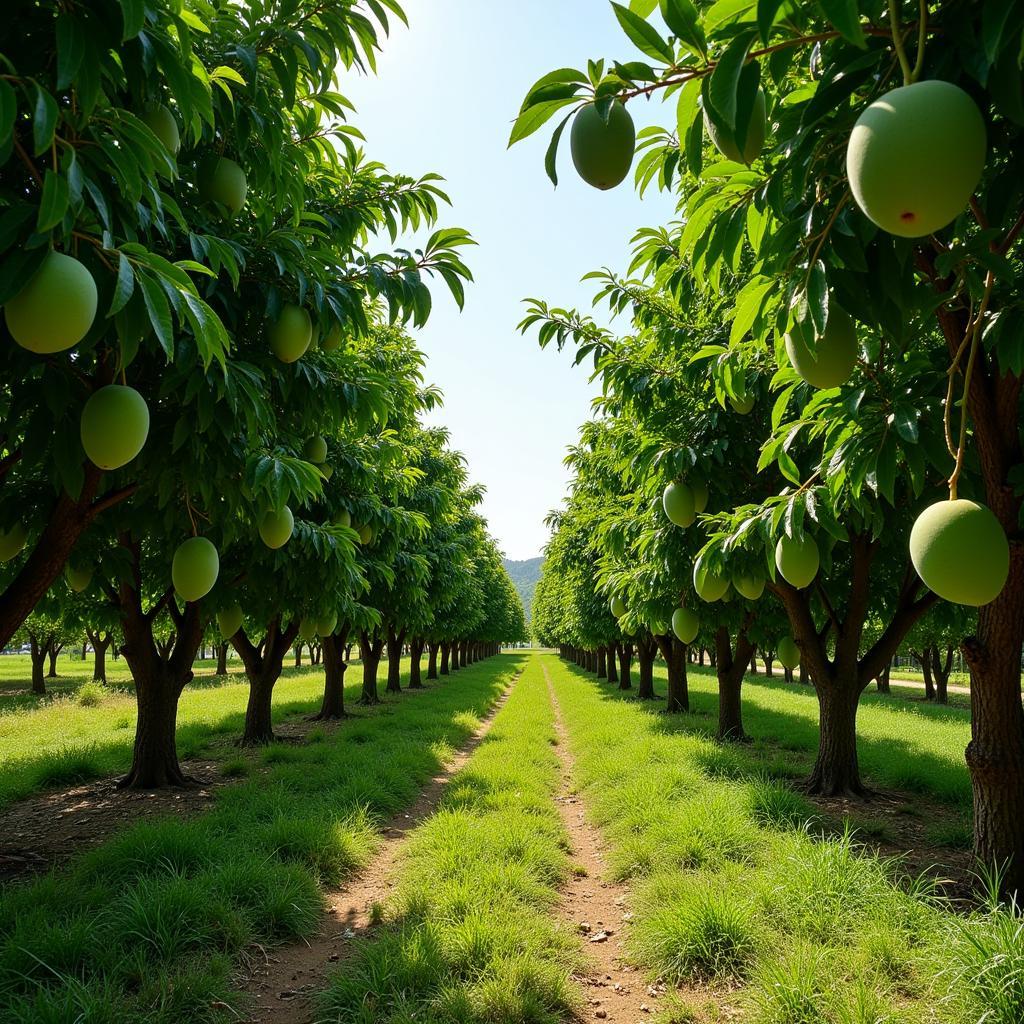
897	41
974	333
922	35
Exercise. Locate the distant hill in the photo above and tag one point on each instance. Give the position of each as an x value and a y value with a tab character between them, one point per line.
525	575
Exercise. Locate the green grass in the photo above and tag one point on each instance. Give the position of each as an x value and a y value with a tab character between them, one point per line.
904	745
789	924
92	727
467	937
147	927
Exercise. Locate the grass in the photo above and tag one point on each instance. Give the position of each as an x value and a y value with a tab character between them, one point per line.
781	922
93	726
148	926
906	745
467	937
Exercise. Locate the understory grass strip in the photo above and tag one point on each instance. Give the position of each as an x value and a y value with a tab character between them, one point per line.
60	739
148	926
468	937
902	744
741	905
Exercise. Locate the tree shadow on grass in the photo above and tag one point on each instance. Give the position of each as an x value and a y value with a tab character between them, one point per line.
785	741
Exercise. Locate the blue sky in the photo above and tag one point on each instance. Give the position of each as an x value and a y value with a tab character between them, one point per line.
445	95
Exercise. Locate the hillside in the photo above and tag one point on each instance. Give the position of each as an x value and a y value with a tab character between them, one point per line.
524	575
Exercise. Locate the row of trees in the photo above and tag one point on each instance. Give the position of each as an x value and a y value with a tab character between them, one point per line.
812	490
218	352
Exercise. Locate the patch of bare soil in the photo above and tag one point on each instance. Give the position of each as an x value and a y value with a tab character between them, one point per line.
279	988
597	910
897	825
45	830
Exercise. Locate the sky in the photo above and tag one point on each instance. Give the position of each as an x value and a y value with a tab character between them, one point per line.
443	100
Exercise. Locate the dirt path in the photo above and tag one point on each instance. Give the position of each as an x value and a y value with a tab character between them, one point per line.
597	909
918	685
280	988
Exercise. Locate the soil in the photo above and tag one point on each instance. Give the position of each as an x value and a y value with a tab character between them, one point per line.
279	988
45	830
596	908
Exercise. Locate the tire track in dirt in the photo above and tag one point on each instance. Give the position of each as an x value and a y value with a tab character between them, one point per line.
597	908
281	987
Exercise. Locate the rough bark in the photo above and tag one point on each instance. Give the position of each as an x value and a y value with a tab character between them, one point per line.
52	652
674	651
611	667
730	664
332	707
924	658
446	651
646	648
263	665
160	676
625	653
416	646
100	642
395	642
372	647
432	649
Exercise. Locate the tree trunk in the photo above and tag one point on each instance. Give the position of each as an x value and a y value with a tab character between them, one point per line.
155	755
395	643
432	649
883	680
612	669
836	770
51	653
941	672
222	658
446	650
646	648
674	651
462	653
768	660
372	648
38	655
602	663
159	680
298	655
730	667
263	665
625	653
753	662
925	659
99	658
415	657
333	706
259	725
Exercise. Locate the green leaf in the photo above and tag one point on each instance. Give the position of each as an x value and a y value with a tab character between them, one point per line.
725	79
845	15
551	156
817	297
8	111
535	117
159	312
133	15
44	121
644	36
125	285
683	21
766	11
70	50
560	79
54	202
905	419
686	109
